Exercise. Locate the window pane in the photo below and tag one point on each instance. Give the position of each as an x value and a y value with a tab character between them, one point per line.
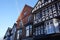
30	26
38	30
53	7
38	16
27	27
50	9
18	34
27	32
41	28
50	27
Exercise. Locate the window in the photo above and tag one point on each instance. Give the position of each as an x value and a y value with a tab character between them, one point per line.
54	10
28	30
17	34
29	18
43	13
21	23
58	5
40	15
10	37
46	11
37	16
36	31
41	29
20	32
49	27
25	13
34	17
50	12
50	9
14	29
54	7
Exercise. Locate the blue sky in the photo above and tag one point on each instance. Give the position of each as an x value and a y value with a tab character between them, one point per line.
9	12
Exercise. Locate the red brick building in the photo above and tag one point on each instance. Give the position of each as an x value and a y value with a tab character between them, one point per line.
23	20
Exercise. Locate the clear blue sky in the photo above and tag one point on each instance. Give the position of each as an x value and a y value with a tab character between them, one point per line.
9	12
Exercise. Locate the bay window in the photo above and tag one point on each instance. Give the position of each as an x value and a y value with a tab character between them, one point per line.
52	26
49	27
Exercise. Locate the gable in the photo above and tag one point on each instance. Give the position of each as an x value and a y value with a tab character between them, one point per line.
37	6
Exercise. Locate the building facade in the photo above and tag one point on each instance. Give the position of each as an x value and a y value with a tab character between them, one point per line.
7	34
11	33
24	22
46	24
39	23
